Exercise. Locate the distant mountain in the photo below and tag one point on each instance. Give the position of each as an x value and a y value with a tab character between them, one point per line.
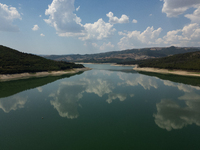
187	61
13	61
124	55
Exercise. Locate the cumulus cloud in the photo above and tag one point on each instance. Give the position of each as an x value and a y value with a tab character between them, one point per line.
67	23
134	21
42	35
195	17
98	30
137	39
62	17
35	27
173	8
105	46
113	19
188	36
7	15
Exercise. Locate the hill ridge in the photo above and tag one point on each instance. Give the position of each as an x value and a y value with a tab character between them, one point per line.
13	61
124	55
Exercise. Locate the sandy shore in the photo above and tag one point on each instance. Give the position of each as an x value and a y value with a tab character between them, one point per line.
165	71
8	77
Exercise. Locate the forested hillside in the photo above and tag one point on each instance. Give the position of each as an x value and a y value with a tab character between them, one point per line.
13	61
124	55
187	61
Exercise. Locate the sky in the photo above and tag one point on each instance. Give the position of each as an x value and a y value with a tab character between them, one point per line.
91	26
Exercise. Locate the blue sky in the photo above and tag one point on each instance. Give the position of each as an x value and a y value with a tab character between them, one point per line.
91	26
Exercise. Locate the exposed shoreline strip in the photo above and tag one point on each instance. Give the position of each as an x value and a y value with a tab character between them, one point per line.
166	71
8	77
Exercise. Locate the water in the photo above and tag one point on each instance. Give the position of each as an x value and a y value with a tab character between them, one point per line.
108	107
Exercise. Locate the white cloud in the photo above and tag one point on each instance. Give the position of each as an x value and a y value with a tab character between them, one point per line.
98	30
114	20
134	21
42	34
95	45
138	39
77	9
105	46
173	8
35	27
195	17
7	15
62	18
40	16
188	36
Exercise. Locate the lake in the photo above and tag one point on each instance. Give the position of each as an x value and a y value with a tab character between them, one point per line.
107	108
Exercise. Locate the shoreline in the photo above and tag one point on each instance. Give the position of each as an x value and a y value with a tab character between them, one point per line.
111	64
166	71
9	77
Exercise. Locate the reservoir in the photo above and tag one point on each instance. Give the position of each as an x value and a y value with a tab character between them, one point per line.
106	108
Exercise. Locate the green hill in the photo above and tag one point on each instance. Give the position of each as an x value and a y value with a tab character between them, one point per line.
13	61
124	55
187	61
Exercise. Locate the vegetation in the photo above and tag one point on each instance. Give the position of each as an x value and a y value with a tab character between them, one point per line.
187	61
13	61
175	78
124	55
8	88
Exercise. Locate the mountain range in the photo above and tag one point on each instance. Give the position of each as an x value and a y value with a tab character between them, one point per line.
124	55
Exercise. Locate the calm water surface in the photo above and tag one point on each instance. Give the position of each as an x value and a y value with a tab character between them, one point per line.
105	108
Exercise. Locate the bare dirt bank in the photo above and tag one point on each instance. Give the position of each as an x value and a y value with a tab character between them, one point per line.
8	77
165	71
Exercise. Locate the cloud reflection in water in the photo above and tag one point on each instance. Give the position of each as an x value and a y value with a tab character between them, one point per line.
65	100
171	115
12	103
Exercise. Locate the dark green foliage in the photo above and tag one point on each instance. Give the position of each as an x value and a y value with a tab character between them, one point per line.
9	88
13	61
195	81
187	61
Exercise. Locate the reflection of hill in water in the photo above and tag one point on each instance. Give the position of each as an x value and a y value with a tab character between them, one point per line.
13	87
195	81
